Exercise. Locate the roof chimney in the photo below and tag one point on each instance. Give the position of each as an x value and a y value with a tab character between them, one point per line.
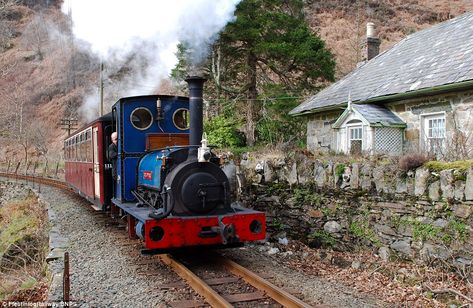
372	42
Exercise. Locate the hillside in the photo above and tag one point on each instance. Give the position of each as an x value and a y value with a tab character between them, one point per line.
342	23
45	75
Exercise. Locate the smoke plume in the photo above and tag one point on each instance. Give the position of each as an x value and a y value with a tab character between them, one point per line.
144	34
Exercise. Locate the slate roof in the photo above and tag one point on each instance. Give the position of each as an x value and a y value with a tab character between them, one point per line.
440	55
378	115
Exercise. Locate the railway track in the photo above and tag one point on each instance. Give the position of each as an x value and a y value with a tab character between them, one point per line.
209	285
36	179
230	276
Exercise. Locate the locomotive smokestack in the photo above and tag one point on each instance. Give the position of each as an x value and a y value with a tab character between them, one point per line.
196	86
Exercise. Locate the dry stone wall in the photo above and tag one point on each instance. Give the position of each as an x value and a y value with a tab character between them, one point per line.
420	214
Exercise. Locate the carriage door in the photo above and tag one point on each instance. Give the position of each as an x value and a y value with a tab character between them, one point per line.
96	163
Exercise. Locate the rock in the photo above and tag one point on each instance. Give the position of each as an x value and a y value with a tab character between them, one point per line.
422	174
292	177
469	185
440	223
355	176
305	169
396	207
424	220
329	170
366	177
434	191
410	183
401	186
462	210
268	172
283	241
403	247
273	251
429	251
386	216
459	190
320	176
446	184
332	227
384	253
406	230
356	265
378	178
385	229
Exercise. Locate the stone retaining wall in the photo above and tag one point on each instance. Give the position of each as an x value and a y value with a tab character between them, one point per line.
420	215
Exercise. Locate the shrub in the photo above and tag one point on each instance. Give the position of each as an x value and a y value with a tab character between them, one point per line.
411	161
223	132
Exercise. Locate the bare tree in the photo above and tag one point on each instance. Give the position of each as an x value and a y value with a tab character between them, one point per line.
6	29
36	35
13	119
39	136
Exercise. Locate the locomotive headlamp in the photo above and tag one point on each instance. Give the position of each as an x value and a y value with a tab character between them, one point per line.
159	110
203	153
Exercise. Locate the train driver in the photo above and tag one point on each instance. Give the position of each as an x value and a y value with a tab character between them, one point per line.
112	154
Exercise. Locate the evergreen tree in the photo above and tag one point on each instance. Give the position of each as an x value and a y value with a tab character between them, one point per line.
269	42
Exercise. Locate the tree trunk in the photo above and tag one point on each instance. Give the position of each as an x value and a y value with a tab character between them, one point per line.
252	107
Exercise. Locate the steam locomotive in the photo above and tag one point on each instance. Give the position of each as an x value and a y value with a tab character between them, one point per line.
169	185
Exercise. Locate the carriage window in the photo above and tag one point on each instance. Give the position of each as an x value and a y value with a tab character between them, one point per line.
181	119
89	146
76	149
141	118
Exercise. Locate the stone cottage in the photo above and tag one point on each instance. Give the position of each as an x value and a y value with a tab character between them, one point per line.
416	96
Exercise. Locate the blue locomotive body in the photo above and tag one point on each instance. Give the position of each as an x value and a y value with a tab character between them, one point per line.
151	166
137	121
149	169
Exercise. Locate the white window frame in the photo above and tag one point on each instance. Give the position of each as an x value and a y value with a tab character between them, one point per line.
426	120
351	127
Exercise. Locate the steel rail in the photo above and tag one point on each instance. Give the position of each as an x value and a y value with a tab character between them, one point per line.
202	288
36	179
281	296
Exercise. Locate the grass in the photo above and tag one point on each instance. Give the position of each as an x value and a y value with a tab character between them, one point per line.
18	220
22	245
461	165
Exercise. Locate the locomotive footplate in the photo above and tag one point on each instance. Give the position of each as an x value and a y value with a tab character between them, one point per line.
243	225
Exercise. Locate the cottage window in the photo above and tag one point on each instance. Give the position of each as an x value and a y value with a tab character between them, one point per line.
355	139
434	133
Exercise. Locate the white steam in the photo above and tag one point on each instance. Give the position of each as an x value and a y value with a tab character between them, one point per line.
145	34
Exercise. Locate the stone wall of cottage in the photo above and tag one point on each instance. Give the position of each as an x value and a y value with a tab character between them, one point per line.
458	108
420	214
320	134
